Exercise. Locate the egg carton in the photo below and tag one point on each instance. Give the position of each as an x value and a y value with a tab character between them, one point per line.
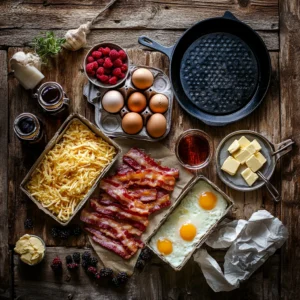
111	124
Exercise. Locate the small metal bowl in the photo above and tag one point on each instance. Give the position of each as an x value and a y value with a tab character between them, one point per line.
272	152
95	81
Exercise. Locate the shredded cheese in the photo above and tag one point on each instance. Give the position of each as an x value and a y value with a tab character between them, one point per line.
68	171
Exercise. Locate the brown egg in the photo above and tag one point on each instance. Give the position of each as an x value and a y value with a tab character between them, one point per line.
132	123
159	103
157	125
142	78
137	102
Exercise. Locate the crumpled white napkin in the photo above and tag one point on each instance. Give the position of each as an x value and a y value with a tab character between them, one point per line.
251	243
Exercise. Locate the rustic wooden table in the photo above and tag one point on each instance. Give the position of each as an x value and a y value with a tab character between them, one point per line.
278	118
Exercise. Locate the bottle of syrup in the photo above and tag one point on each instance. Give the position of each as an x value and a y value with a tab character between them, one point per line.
28	128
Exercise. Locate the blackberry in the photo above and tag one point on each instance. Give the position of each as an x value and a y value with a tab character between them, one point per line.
93	261
56	264
122	277
55	232
76	230
92	270
140	264
106	273
115	282
86	256
85	264
69	259
28	224
146	254
76	257
72	266
64	233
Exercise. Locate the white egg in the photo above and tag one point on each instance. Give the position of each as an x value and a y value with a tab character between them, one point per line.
190	212
113	101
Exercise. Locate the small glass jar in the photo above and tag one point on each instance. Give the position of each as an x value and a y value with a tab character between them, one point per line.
194	149
28	128
52	98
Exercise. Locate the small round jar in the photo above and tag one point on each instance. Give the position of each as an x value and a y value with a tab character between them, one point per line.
186	152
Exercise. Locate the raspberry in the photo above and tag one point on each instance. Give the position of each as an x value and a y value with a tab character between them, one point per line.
95	65
100	61
91	74
102	78
105	51
90	59
124	68
107	71
114	54
56	264
122	54
118	63
89	67
117	72
100	71
72	266
92	270
96	54
121	76
113	80
107	63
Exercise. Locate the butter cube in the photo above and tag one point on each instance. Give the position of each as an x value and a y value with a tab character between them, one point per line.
243	155
230	165
253	163
251	148
256	145
249	176
234	147
244	142
260	157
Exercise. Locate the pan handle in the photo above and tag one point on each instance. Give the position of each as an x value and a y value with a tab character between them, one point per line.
230	16
145	41
270	187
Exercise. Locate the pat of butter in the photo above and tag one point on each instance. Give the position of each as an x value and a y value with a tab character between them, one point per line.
244	142
242	155
256	145
230	165
249	176
260	157
234	147
251	148
253	163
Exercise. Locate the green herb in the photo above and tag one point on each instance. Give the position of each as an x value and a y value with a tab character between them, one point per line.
47	45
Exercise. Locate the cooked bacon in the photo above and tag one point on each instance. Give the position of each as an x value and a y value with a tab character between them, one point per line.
123	169
138	160
142	178
109	243
144	195
117	212
94	218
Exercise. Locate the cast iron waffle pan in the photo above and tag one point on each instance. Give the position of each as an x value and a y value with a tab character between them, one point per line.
219	69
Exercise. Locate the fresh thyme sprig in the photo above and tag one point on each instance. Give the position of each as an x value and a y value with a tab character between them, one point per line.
47	45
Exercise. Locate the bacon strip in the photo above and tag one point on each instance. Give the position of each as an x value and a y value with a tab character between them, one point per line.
144	195
143	178
117	212
123	169
138	160
108	243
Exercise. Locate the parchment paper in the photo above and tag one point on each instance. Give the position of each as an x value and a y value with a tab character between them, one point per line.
166	158
251	243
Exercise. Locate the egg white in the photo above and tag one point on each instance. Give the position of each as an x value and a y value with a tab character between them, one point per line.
188	211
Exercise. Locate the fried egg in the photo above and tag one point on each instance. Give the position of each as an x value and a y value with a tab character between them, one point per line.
198	211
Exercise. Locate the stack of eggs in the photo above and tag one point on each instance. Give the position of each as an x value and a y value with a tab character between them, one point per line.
132	122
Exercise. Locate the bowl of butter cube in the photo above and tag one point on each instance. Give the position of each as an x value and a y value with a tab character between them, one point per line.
241	154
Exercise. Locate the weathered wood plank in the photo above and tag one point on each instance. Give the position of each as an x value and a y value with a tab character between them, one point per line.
290	124
4	257
156	281
261	15
126	38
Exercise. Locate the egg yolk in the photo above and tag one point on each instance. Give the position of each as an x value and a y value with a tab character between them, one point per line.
164	246
207	200
188	232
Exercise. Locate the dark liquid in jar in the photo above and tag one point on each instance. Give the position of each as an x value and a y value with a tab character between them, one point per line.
193	150
26	125
51	94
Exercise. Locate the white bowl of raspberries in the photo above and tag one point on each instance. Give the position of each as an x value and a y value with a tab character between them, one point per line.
106	65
